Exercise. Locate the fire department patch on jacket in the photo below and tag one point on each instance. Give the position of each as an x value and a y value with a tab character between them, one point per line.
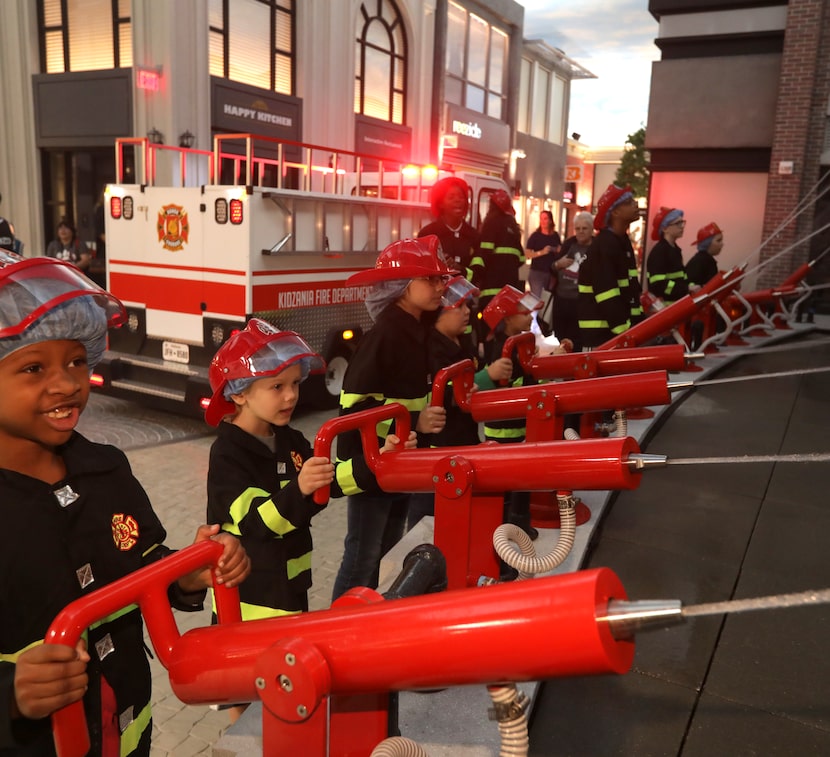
297	459
124	531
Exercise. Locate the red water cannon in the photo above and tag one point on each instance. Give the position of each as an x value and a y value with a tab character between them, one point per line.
524	345
323	676
366	422
770	308
469	482
674	315
148	589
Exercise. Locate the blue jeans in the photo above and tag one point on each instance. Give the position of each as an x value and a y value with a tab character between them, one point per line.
375	524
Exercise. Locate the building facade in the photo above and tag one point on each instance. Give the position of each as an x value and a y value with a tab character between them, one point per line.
426	81
737	128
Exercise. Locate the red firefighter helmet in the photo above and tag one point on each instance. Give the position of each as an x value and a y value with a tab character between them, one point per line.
610	198
503	201
406	259
509	301
707	232
257	351
31	287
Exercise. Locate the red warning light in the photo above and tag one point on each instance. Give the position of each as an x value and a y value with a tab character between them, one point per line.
236	212
115	207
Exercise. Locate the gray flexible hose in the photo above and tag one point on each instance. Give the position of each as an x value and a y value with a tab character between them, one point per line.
525	560
510	706
398	746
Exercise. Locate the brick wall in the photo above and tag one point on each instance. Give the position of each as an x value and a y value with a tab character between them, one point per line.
799	137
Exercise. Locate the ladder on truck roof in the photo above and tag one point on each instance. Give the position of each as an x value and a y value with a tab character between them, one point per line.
256	161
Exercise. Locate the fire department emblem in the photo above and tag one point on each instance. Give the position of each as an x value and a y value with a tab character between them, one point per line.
173	227
297	460
124	531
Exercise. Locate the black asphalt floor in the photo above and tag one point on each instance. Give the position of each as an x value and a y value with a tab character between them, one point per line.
753	683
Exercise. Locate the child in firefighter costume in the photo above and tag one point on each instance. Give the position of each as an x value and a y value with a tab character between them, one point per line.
390	365
75	519
263	472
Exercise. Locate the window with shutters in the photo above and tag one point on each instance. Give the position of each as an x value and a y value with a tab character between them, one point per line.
253	42
84	35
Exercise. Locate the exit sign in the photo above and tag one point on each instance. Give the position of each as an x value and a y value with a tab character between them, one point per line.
147	78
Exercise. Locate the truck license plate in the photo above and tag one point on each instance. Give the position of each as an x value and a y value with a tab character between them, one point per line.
175	352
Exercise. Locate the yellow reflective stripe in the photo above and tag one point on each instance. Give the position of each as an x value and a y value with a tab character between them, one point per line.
148	550
133	732
114	616
12	656
677	275
476	261
297	565
586	289
656	277
272	517
623	283
258	612
636	311
350	400
593	324
509	251
633	273
621	328
490	292
610	294
344	471
503	433
487	245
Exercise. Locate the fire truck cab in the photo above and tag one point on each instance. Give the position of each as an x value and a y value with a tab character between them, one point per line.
255	227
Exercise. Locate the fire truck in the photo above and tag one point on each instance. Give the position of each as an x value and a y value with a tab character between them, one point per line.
200	241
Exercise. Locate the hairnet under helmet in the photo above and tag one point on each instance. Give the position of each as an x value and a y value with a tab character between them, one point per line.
44	299
259	350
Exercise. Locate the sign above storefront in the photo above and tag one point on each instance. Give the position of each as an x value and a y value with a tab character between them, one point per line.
382	140
239	108
476	133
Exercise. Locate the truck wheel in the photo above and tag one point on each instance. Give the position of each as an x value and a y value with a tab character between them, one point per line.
323	392
335	371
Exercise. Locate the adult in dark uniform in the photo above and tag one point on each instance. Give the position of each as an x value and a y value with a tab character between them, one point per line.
450	202
609	289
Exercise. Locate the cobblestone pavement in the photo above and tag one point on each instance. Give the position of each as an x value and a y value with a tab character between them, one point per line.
169	456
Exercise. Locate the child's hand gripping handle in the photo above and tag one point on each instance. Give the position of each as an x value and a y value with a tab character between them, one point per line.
462	376
525	346
366	422
146	587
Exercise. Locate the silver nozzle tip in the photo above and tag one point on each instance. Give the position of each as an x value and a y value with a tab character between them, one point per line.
676	386
695	355
640	460
624	618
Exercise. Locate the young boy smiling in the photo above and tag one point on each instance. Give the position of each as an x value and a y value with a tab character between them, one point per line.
65	500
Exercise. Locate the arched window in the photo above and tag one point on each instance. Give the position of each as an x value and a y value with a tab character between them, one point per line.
380	62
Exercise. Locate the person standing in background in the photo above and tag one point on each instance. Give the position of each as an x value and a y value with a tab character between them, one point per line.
450	202
565	272
703	266
541	249
609	290
500	255
6	235
98	267
68	247
666	274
